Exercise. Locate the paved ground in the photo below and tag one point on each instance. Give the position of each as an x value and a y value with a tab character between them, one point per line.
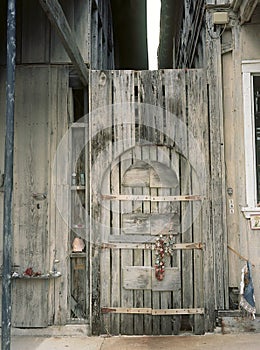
207	342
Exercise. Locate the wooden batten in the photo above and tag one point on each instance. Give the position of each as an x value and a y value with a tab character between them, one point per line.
177	246
153	312
152	198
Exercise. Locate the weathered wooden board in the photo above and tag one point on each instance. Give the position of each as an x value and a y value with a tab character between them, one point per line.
138	258
138	175
195	113
153	190
30	182
27	311
100	158
154	224
161	175
153	174
217	175
2	156
143	277
137	277
165	224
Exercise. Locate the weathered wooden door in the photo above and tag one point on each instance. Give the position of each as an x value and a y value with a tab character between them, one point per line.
148	213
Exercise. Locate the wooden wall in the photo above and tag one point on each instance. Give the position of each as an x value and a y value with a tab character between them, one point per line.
43	110
238	44
222	50
191	36
41	119
38	42
118	150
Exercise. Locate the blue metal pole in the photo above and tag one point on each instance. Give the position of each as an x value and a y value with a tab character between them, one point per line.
8	185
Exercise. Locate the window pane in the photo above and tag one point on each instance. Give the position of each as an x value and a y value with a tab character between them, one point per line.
256	84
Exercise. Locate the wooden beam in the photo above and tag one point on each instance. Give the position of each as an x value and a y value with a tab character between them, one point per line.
176	246
246	10
58	19
123	197
191	311
150	311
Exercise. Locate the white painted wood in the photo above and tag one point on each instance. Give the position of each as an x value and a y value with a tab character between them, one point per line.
249	68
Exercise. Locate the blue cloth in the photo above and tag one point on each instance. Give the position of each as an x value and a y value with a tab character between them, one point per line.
249	288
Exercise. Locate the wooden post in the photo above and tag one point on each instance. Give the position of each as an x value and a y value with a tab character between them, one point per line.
8	187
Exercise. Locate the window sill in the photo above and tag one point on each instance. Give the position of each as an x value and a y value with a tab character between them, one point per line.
248	211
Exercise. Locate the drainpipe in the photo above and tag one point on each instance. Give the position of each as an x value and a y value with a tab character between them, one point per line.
8	185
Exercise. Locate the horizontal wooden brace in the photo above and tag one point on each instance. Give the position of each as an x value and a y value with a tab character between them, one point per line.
55	13
192	311
129	310
122	197
149	311
177	246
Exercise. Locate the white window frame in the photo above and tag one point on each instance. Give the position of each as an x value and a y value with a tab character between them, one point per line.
249	69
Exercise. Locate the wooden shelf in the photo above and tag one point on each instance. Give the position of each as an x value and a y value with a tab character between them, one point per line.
41	277
78	255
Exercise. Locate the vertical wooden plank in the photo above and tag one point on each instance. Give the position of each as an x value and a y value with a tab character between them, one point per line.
148	259
148	94
52	147
147	254
166	297
124	124
197	111
58	105
175	103
115	254
217	171
138	256
2	150
164	158
116	209
155	295
100	158
127	297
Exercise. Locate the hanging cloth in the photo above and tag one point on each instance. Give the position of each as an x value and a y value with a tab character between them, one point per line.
247	298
